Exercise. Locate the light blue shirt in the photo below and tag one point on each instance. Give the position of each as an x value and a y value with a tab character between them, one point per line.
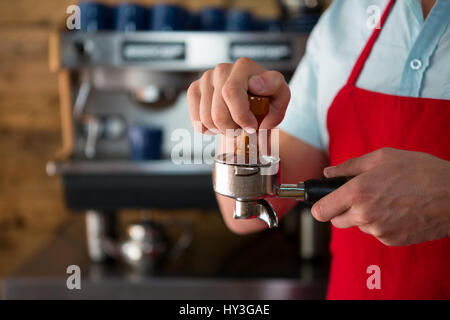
411	57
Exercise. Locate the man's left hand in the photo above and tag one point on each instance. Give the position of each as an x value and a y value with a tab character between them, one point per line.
399	197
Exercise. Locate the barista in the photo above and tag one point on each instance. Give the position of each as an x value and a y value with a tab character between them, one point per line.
368	103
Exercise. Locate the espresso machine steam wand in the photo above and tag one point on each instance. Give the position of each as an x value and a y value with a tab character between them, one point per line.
251	180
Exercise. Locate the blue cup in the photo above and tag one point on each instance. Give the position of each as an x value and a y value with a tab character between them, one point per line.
165	17
211	19
193	22
145	142
239	20
130	17
270	25
95	17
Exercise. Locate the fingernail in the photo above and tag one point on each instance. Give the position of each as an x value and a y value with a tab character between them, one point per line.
256	83
211	132
250	130
327	171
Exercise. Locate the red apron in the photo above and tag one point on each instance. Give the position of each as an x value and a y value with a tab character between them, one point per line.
361	121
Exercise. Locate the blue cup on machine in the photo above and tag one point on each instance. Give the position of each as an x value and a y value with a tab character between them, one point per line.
193	22
95	17
145	142
166	17
270	25
130	17
239	20
211	19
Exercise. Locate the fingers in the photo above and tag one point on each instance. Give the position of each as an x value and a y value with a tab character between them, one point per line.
333	204
207	91
235	93
193	96
349	168
356	166
339	201
219	100
219	112
352	218
343	221
272	84
347	206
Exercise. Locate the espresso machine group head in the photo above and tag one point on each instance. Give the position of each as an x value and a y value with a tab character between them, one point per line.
251	180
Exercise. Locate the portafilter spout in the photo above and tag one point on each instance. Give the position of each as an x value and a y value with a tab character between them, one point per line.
259	209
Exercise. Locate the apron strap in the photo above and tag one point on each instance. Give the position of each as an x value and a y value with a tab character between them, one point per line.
368	48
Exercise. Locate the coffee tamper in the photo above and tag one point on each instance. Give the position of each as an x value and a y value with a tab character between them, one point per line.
250	183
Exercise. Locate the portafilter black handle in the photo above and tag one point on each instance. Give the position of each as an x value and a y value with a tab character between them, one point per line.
316	189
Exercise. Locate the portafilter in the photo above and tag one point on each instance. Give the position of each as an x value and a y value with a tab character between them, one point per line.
251	180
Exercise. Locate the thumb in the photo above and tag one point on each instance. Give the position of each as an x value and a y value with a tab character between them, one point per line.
271	84
266	83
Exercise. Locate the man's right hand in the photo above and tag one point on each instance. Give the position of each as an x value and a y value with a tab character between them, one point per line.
219	99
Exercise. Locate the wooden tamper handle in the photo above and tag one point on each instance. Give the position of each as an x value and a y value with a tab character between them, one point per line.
259	106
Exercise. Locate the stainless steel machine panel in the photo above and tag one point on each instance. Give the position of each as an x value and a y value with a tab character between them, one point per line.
180	51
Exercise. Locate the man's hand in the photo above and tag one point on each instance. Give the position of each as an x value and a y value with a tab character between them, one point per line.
219	99
400	197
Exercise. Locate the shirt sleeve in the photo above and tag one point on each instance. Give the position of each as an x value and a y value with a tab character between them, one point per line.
301	119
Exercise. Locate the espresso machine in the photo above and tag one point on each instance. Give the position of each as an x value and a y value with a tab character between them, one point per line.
112	82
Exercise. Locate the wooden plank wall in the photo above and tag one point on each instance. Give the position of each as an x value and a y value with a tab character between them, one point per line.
31	203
